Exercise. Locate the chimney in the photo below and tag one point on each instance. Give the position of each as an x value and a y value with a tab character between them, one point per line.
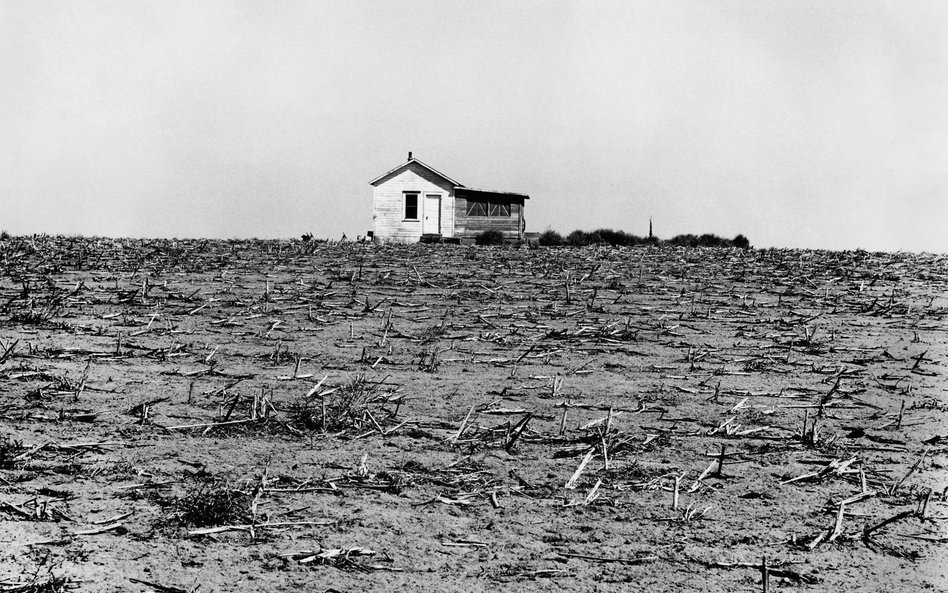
409	155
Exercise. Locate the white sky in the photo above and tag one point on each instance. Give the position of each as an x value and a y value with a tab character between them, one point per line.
819	124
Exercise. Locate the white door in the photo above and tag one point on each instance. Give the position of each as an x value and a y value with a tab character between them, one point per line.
432	224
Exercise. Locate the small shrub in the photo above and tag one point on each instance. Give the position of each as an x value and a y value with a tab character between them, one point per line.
578	238
550	238
708	240
490	237
711	240
610	237
683	241
618	238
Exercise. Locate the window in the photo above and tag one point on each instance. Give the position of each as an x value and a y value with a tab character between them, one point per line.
411	206
495	209
487	208
476	208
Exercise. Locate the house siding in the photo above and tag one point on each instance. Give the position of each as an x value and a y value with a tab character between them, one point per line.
388	215
469	226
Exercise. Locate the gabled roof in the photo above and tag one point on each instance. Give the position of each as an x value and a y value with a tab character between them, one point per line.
417	162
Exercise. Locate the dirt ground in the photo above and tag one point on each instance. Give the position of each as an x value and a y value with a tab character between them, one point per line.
280	416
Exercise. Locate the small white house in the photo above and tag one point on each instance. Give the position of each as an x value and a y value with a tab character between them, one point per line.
414	199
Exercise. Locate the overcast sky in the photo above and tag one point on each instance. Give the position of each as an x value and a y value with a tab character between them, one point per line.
816	124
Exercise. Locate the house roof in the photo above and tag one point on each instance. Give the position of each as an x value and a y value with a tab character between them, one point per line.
460	188
471	191
417	162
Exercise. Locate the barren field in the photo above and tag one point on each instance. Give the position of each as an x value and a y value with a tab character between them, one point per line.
278	416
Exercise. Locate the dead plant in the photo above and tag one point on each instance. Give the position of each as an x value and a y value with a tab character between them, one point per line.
354	407
210	502
10	449
48	584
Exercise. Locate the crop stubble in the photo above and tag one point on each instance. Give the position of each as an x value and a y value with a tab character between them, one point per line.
270	415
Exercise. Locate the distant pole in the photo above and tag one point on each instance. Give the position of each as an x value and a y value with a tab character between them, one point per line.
649	227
